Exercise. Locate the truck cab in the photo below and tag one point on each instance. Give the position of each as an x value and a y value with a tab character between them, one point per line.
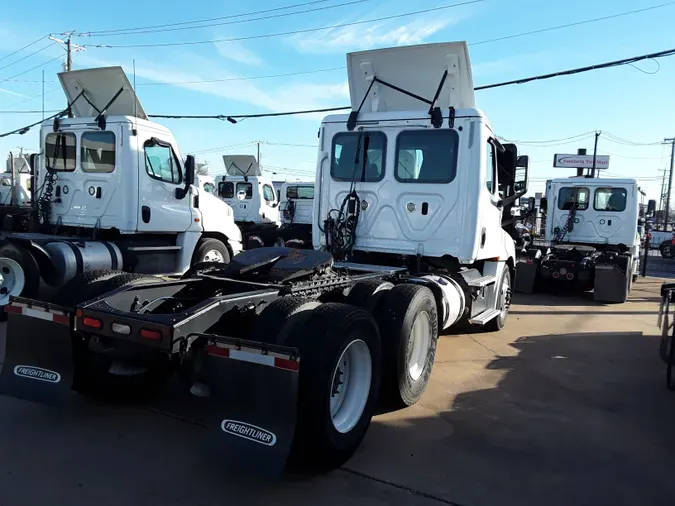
250	194
297	202
605	211
415	176
423	189
112	191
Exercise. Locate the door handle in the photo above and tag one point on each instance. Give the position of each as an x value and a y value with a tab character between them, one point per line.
145	214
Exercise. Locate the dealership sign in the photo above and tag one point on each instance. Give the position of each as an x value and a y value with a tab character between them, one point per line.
581	161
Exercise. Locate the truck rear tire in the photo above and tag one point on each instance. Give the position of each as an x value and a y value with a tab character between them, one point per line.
276	321
19	272
369	294
408	323
339	380
210	250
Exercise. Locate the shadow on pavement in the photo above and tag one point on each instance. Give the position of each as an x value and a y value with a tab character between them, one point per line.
571	419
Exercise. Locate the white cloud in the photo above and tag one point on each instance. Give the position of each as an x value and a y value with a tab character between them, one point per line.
237	52
370	36
2	90
286	97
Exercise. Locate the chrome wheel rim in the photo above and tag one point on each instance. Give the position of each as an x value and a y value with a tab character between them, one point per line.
350	386
418	346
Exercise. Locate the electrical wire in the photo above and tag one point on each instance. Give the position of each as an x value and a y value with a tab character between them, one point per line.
575	23
250	78
240	21
28	55
24	47
31	69
293	32
230	16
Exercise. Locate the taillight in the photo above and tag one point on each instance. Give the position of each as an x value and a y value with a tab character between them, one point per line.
120	328
153	335
92	322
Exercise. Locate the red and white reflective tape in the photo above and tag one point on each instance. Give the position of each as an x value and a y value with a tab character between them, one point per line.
50	315
254	356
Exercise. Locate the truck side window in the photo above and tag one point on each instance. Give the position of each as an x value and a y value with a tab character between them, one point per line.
209	188
246	188
610	199
60	151
268	193
490	166
226	190
570	195
160	163
97	152
345	145
426	156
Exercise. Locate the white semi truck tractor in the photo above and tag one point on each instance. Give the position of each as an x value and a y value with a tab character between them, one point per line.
592	238
111	193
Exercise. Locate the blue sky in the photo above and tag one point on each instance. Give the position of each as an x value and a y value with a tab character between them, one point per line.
635	104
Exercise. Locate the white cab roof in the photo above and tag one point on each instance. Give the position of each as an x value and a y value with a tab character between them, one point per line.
100	85
417	69
240	165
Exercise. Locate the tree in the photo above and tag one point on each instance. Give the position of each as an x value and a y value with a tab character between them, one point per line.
202	168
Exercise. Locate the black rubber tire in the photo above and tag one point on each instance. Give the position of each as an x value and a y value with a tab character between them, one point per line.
275	322
395	319
25	259
91	284
369	294
317	445
498	323
207	244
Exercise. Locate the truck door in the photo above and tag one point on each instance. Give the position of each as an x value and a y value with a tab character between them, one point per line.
160	173
576	197
271	209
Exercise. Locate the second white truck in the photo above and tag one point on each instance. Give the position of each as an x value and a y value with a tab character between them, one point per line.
111	193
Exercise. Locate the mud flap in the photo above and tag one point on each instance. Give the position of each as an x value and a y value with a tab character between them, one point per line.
253	405
611	283
526	275
37	363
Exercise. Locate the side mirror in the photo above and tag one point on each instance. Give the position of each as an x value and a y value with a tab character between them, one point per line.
189	177
521	177
274	204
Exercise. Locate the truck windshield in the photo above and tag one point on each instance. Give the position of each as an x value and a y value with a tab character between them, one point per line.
426	156
246	189
60	151
226	190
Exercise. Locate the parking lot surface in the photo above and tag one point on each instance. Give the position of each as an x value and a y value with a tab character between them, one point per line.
566	406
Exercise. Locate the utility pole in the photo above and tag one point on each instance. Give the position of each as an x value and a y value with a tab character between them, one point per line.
663	195
258	157
595	152
69	47
671	141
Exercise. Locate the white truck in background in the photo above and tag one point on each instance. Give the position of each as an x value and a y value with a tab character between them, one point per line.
592	228
296	204
112	193
16	181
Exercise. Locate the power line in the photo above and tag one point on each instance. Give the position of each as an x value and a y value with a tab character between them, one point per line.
294	32
24	47
231	16
28	56
251	78
575	23
580	70
233	118
240	21
29	70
